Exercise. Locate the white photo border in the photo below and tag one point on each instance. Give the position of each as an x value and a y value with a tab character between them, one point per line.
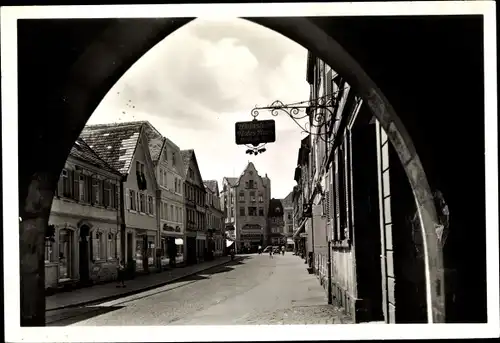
15	333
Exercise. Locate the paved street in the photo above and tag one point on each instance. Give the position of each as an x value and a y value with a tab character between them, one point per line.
255	290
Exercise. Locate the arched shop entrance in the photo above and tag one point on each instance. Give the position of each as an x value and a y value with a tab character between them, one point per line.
103	50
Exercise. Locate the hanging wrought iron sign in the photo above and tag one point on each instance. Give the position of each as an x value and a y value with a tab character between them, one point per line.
255	134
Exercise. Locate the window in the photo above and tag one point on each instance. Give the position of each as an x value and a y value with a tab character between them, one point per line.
165	178
290	228
289	216
261	198
66	189
242	196
139	167
161	177
246	184
251	184
81	188
111	246
242	211
97	248
107	193
172	213
175	184
48	250
142	203
261	211
252	196
96	191
252	211
150	205
173	158
165	154
132	200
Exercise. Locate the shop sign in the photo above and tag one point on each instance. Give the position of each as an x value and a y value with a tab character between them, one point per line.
255	132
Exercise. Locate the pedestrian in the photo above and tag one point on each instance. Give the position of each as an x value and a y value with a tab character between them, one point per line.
121	274
271	253
283	250
260	250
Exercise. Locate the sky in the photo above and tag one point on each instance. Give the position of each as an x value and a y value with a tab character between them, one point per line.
196	83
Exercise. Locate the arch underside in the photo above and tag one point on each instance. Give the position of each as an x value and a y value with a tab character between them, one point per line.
124	41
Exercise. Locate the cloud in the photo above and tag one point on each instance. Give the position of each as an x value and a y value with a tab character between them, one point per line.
194	85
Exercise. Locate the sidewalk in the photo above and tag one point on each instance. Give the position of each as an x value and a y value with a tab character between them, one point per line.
109	291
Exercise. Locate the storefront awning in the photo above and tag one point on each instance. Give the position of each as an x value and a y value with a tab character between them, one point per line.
179	241
301	228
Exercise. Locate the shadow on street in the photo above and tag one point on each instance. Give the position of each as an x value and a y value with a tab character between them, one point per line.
64	318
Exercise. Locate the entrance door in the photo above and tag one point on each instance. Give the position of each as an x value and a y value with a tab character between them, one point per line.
84	254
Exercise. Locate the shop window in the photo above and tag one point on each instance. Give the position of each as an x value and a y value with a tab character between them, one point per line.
49	248
111	248
98	246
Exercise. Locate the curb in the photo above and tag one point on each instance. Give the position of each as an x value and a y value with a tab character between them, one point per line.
143	289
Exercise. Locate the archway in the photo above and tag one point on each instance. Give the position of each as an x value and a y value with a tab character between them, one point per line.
106	60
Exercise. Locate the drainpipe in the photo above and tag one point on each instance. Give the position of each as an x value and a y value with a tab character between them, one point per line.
158	228
328	265
123	227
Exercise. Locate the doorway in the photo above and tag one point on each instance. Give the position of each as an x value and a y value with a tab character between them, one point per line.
366	217
83	249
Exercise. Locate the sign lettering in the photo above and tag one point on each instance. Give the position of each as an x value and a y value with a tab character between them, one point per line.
255	132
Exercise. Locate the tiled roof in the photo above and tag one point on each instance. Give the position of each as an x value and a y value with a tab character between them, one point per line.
288	201
211	185
82	151
114	143
186	158
232	181
155	141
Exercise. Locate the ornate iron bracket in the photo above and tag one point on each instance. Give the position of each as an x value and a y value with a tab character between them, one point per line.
321	112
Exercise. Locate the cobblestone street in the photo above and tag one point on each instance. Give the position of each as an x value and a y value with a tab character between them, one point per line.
256	290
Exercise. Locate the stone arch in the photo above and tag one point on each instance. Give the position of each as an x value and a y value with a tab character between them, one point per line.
101	65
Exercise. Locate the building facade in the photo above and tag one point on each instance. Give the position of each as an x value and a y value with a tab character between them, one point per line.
246	202
276	223
215	218
288	229
195	217
83	244
170	176
125	146
361	208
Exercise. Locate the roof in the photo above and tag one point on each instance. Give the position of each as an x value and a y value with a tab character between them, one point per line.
232	181
211	185
82	151
115	143
288	200
186	158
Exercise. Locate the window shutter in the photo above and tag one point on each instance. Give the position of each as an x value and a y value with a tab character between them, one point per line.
92	188
76	182
88	188
153	210
71	176
337	202
127	198
60	187
137	201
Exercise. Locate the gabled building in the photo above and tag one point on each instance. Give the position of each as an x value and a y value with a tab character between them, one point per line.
215	218
276	223
126	147
246	202
287	203
194	200
83	244
169	169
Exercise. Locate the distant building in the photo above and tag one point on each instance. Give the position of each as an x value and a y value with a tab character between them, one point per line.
276	222
287	203
246	203
214	217
194	199
85	217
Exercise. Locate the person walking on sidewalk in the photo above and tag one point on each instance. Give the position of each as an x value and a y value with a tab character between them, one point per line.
121	274
271	253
